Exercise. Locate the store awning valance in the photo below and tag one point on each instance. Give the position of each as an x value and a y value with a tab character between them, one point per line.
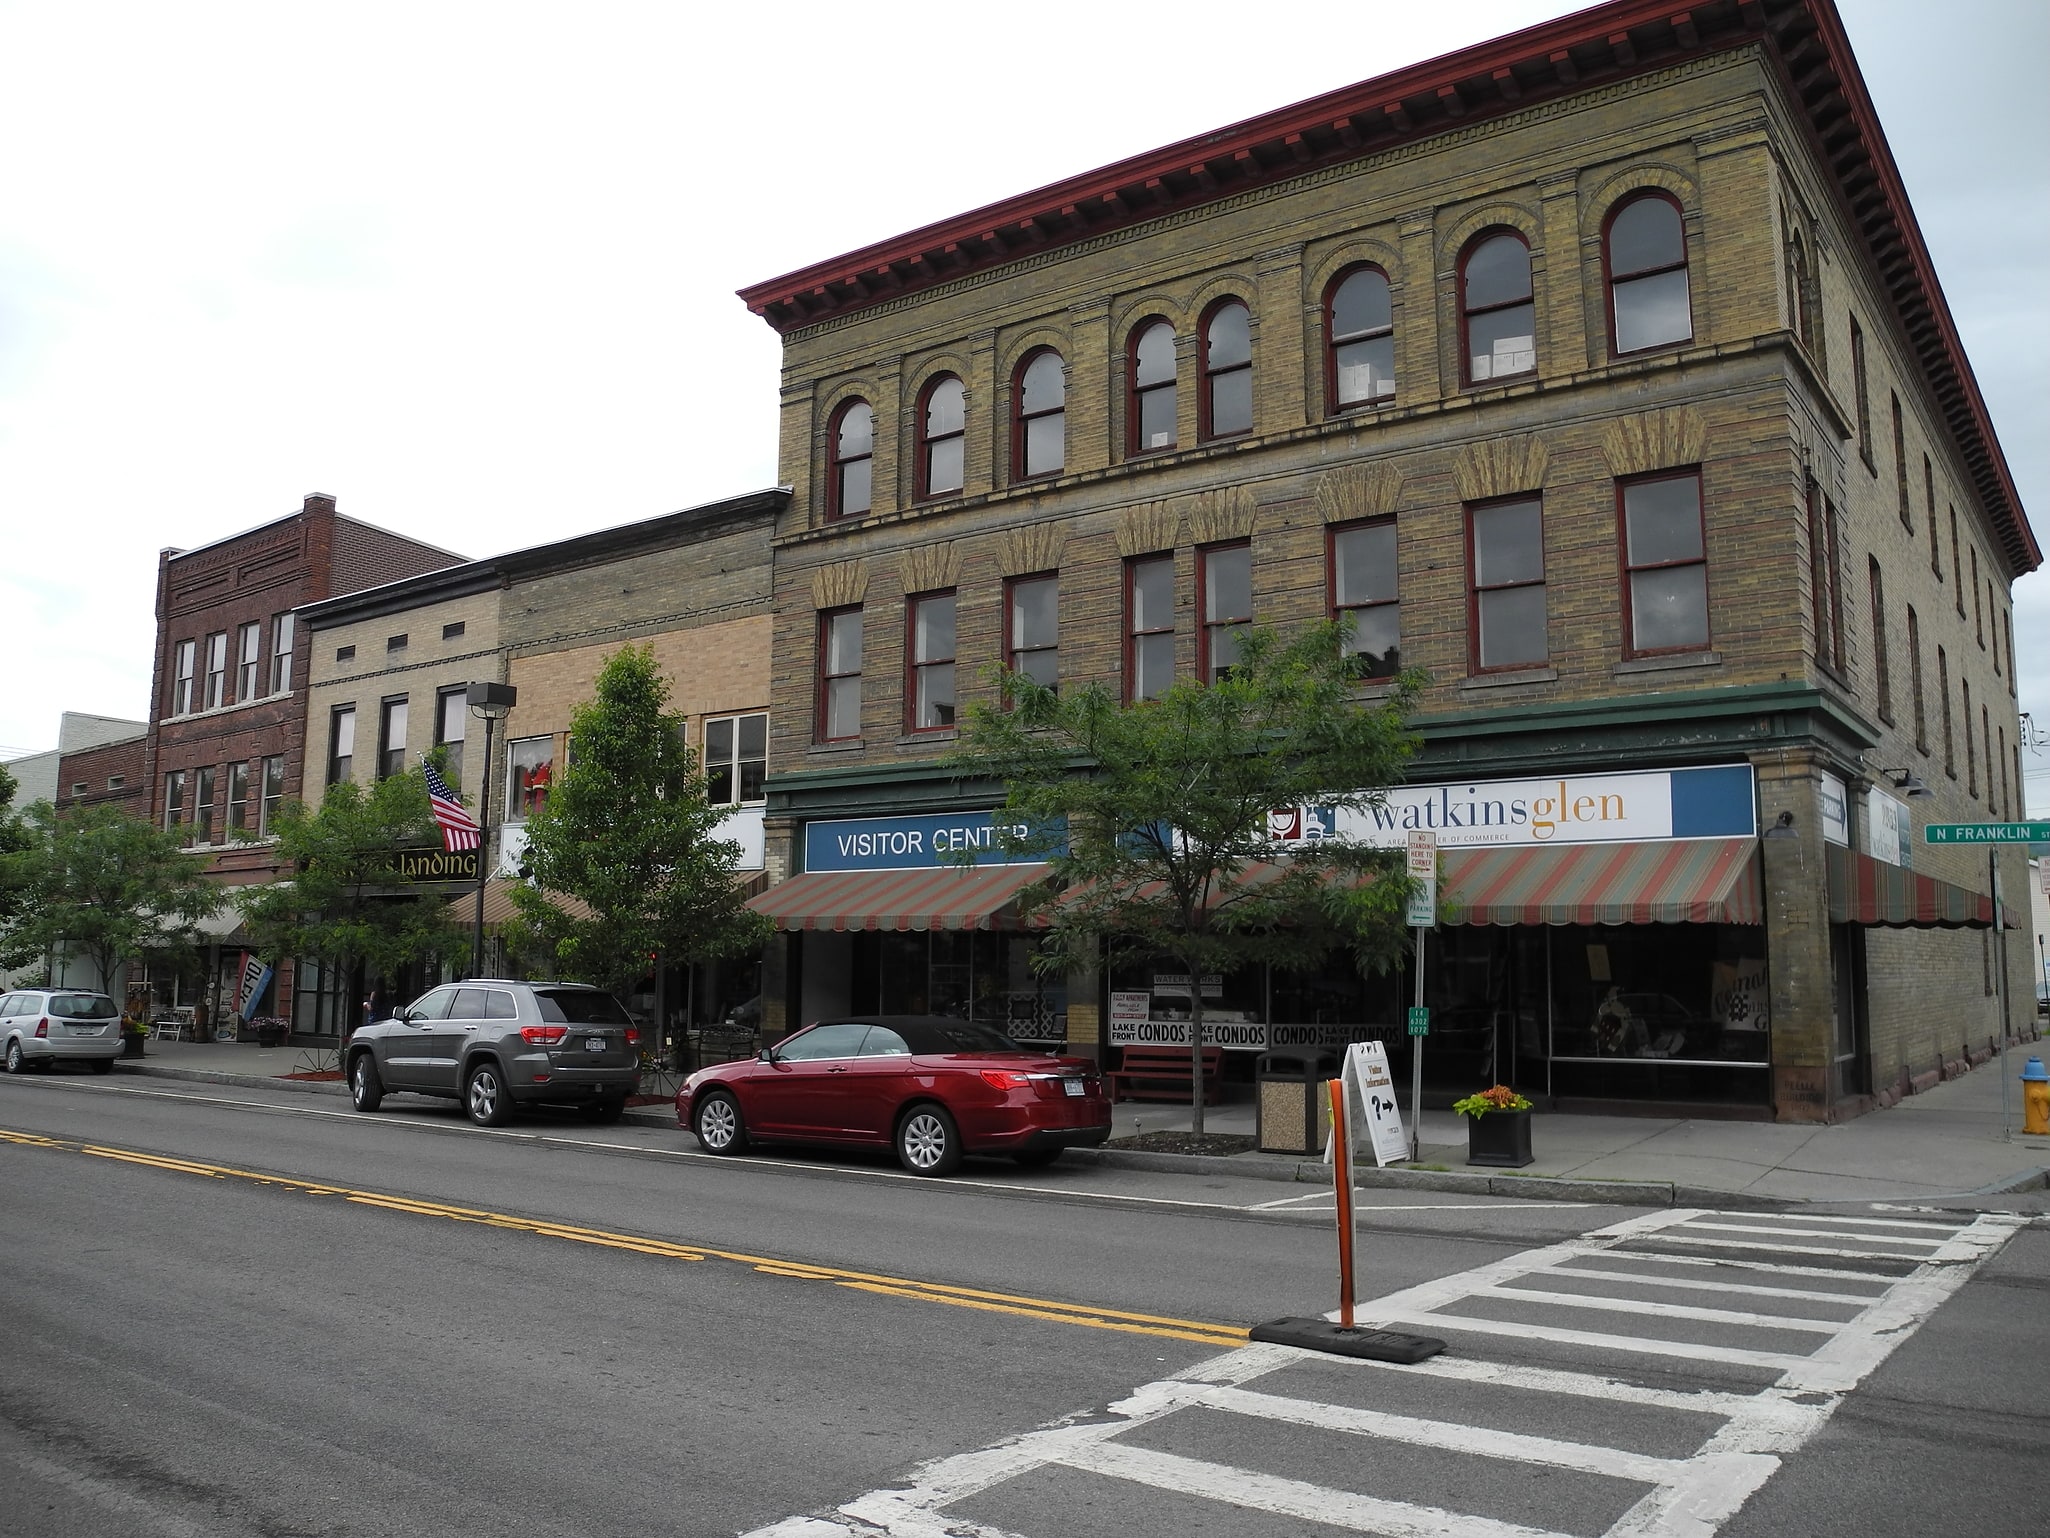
952	897
1672	881
1863	890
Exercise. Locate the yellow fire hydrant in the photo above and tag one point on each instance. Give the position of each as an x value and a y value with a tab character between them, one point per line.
2035	1096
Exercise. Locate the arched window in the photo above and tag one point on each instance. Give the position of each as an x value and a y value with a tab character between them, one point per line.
1646	252
1496	315
1039	437
1227	370
942	437
1359	319
1797	311
853	445
1150	412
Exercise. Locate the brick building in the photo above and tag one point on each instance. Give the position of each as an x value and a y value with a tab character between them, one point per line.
1600	371
228	713
108	771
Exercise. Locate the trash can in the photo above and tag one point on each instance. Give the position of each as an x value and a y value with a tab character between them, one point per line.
1294	1112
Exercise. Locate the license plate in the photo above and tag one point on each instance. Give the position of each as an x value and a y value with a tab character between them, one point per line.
594	1043
1071	1086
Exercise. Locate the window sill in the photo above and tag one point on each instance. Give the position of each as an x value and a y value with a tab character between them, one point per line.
935	734
222	710
846	745
1668	664
1510	676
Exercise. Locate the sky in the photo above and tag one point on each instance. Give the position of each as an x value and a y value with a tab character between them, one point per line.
470	268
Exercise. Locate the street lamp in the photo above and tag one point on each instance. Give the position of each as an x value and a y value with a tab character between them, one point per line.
492	702
1909	781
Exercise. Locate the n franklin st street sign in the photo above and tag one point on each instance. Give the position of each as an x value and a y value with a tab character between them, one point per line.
1987	833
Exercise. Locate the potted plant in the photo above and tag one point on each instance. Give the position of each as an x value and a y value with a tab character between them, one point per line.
134	1027
1497	1127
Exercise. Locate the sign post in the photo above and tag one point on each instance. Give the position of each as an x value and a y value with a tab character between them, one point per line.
1423	913
1993	834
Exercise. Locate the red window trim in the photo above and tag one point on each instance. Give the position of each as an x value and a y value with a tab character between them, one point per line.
912	603
823	679
1333	407
1011	585
1209	376
1203	622
1632	652
835	464
1609	277
1466	378
1474	590
1331	606
1019	418
1133	448
922	469
1132	565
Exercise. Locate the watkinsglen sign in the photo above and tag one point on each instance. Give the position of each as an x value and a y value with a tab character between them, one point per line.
431	864
1714	802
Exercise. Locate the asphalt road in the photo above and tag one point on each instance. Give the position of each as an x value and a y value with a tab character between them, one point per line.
228	1312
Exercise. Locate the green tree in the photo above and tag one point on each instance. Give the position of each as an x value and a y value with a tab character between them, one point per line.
1154	816
14	838
103	885
627	833
346	904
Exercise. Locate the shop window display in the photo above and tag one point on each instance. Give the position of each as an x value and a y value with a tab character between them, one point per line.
529	771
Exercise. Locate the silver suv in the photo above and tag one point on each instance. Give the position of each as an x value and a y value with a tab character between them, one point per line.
492	1043
46	1026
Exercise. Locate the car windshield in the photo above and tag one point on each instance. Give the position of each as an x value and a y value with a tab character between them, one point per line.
81	1006
580	1006
966	1036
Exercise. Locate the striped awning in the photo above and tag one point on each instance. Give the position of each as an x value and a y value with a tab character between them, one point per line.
1863	890
952	897
1670	881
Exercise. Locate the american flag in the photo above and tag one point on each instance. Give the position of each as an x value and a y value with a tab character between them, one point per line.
459	829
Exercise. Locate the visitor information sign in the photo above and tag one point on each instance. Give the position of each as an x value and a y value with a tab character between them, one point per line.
1370	1098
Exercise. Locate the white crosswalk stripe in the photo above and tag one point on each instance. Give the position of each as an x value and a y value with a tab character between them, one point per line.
1866	1283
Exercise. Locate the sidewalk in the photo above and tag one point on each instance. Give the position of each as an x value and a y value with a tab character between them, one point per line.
1945	1142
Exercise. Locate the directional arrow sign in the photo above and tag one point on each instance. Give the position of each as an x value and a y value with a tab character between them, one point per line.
1987	833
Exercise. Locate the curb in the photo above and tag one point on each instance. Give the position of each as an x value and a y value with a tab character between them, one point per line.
234	1080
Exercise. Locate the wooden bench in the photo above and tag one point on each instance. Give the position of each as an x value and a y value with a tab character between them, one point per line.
1162	1073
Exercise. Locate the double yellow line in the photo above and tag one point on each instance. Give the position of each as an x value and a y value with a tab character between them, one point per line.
1201	1331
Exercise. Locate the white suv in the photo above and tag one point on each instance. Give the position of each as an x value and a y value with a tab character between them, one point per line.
55	1025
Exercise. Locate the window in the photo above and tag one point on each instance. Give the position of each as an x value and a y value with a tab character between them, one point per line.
280	653
1822	584
345	654
116	781
1040	434
839	675
1150	413
1226	575
1227	371
736	759
396	643
2003	773
931	686
273	793
454	629
1506	544
1957	567
1943	698
248	650
1363	590
529	771
451	725
217	670
1915	679
1862	392
942	437
1978	609
238	796
1665	564
1986	743
1359	320
1496	317
174	799
1971	752
1647	260
391	737
1929	502
1149	626
203	805
1032	611
78	788
2007	625
181	686
853	440
341	743
1900	462
1880	672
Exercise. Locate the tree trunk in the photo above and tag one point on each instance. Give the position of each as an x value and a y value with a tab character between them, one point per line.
1196	1052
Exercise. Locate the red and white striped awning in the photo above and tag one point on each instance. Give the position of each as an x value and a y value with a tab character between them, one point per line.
1669	881
951	897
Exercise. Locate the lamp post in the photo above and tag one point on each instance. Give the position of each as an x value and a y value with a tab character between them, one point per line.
493	703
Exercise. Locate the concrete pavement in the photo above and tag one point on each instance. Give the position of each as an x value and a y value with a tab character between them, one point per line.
1945	1143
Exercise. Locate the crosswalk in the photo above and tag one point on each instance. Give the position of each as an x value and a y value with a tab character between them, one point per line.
1640	1381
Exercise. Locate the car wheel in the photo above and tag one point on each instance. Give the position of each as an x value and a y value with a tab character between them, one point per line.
103	1065
485	1098
366	1089
15	1063
1036	1158
605	1111
717	1124
928	1142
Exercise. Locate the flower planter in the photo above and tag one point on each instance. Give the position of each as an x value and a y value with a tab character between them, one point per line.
131	1046
1499	1139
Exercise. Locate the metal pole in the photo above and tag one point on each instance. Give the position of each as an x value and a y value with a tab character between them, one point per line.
1416	1063
483	853
2000	945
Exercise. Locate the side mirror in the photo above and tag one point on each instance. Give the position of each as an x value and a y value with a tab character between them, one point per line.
403	1015
766	1055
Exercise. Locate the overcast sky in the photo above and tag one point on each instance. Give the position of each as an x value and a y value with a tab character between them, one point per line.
470	268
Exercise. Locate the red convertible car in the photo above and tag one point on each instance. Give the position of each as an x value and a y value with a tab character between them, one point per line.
934	1089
